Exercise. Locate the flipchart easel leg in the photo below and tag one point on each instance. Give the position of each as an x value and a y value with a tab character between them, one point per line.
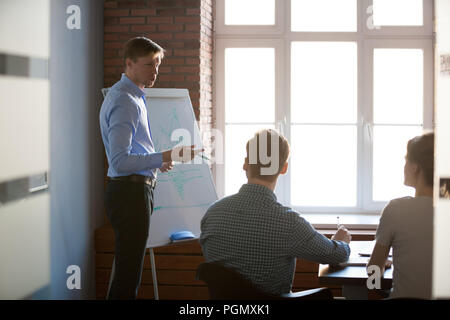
155	281
111	276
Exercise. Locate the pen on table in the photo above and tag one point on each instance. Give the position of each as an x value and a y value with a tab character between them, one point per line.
204	157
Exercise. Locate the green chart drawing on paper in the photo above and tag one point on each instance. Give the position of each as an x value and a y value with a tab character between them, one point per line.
180	175
180	178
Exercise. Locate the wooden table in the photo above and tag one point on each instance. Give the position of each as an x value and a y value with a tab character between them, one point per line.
353	279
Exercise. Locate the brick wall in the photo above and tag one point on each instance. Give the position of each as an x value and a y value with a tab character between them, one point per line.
183	28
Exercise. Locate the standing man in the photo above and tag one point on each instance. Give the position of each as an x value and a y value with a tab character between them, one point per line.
132	160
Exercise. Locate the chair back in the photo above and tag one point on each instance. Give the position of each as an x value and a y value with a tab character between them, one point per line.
227	284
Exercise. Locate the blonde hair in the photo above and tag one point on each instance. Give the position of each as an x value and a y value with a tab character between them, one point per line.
259	154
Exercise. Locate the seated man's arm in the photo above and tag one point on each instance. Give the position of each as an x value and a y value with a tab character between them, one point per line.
308	244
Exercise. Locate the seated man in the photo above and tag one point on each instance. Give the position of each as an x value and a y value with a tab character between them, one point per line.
256	235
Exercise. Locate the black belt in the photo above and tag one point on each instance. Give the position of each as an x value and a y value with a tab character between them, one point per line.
137	178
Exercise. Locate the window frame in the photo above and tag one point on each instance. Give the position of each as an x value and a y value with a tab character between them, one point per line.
281	39
424	30
221	28
427	123
220	46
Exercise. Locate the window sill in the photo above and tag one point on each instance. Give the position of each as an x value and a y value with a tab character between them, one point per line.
350	220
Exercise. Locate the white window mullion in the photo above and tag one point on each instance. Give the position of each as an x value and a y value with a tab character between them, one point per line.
219	89
367	125
428	81
280	37
221	46
370	46
281	110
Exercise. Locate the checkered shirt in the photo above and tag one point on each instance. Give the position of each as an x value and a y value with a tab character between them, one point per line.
253	233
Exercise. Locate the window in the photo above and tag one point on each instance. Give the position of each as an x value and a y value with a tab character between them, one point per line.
348	82
236	12
397	12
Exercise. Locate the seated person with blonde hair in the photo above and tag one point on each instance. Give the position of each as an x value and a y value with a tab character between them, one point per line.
256	235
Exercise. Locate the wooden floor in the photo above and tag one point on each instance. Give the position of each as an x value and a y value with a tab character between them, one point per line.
176	266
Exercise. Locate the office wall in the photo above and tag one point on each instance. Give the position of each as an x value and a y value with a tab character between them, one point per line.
76	179
24	145
441	261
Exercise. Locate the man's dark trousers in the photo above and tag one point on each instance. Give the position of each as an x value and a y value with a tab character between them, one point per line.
128	207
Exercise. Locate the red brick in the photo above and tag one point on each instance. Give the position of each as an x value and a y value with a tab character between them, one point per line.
184	19
111	37
113	62
186	53
110	70
193	12
143	28
192	3
170	27
160	36
195	93
110	4
191	44
143	12
172	77
187	35
195	78
184	69
194	61
109	53
116	12
192	86
170	12
158	20
132	4
124	37
164	68
178	3
192	27
110	21
114	29
173	61
132	20
113	45
170	45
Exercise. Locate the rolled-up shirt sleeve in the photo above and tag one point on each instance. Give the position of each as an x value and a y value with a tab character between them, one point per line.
123	122
311	245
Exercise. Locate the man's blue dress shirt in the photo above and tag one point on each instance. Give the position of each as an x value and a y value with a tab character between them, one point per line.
126	132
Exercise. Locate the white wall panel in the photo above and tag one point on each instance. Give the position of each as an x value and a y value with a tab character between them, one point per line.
441	254
24	127
24	27
24	246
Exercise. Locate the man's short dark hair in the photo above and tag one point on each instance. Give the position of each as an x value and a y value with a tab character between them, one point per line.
141	47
